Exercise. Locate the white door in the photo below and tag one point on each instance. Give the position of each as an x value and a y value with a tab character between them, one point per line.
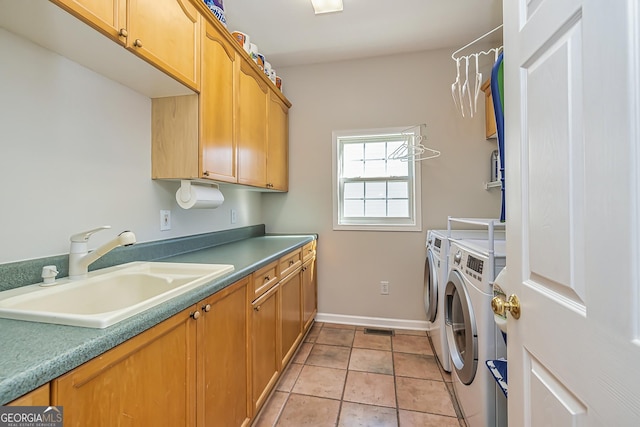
572	128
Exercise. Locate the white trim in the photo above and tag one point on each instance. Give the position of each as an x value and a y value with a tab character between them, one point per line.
379	322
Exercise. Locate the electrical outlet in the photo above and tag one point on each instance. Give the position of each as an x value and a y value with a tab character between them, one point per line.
234	216
384	287
165	220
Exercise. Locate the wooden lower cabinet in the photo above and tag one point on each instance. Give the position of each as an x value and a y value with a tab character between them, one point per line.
223	362
148	380
190	370
37	397
265	348
309	292
291	314
213	364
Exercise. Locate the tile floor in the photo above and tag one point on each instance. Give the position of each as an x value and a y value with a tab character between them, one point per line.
342	377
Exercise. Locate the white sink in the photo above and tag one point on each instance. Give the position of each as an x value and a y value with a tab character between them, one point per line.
107	296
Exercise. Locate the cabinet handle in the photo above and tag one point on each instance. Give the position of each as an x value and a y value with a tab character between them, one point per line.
267	278
256	308
195	315
206	308
137	43
123	32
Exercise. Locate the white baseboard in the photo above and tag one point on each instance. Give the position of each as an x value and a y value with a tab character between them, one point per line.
378	322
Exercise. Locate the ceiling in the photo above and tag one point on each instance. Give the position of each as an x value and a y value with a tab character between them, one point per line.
288	32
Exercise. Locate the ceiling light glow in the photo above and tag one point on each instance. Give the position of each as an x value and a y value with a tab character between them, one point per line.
326	6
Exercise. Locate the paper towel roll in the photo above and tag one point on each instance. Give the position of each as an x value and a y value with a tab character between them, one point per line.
198	196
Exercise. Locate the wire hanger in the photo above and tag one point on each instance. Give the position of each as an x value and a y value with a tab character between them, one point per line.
413	149
453	55
463	89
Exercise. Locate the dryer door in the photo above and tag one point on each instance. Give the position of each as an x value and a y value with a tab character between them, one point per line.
460	323
430	294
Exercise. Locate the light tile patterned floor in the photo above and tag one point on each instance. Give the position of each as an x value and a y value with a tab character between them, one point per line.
342	377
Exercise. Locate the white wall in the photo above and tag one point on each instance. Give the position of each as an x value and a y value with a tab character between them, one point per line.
75	153
400	90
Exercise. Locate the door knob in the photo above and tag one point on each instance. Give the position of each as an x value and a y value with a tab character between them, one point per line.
512	305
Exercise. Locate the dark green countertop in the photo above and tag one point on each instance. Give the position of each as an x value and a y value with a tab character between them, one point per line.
32	354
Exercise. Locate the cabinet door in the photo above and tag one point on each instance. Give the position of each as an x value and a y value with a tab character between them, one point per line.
216	107
291	317
147	380
167	34
252	127
278	145
309	292
223	370
265	349
107	16
37	397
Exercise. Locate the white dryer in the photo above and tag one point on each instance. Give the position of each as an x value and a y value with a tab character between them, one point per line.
435	279
472	334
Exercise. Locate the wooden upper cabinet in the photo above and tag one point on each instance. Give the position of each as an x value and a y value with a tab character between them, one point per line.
174	137
278	144
107	16
167	34
218	145
252	127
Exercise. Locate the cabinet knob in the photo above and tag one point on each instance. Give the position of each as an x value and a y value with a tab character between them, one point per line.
137	43
205	173
123	32
267	278
256	308
195	315
291	262
206	308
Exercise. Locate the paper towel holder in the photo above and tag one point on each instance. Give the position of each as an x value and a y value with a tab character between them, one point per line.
185	196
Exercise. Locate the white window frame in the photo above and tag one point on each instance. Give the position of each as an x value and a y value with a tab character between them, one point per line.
413	223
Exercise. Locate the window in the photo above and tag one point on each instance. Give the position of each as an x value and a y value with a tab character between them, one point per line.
371	191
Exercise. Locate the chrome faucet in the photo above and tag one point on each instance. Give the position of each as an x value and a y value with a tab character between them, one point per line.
79	256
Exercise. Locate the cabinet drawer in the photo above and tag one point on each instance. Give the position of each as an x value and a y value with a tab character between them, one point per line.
308	251
264	279
289	263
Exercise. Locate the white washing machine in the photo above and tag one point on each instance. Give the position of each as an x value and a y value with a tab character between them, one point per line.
435	279
472	334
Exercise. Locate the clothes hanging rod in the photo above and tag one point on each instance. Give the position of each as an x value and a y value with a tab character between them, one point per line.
453	55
